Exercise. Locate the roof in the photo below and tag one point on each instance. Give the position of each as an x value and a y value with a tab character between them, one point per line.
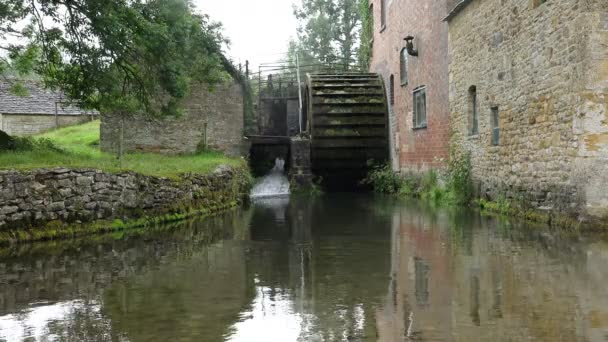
38	101
457	8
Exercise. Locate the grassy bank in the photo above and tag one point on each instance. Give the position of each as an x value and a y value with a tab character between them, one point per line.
78	147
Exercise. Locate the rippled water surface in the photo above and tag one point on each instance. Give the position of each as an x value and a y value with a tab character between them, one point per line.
334	268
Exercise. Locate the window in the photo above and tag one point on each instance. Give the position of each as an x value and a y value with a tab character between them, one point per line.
382	14
473	111
391	92
420	107
495	127
403	65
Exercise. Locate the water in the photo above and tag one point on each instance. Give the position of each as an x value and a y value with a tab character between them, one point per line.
335	268
275	183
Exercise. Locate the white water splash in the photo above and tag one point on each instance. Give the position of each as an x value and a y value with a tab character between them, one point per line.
274	183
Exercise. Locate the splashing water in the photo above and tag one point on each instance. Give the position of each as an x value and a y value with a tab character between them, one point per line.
274	183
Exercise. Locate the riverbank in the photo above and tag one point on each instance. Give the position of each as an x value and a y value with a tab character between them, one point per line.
60	185
453	187
62	203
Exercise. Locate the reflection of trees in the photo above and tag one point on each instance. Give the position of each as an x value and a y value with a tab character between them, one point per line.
177	274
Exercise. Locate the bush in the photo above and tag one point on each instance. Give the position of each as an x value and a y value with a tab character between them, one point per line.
7	143
383	180
457	188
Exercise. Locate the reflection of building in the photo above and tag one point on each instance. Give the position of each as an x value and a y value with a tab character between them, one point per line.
459	281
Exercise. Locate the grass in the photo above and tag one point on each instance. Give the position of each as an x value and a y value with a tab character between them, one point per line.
78	147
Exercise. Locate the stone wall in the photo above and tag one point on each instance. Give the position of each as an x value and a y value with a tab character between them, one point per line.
30	124
32	199
212	120
543	66
414	149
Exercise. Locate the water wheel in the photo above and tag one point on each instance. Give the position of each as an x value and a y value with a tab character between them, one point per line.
347	117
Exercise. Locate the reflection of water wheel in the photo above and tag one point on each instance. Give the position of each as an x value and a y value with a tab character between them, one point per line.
347	117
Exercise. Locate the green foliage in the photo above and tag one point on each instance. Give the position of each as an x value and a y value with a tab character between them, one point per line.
329	31
455	189
116	56
77	146
501	206
367	34
6	142
460	187
384	180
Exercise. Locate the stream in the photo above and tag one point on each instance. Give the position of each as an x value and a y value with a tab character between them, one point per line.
339	267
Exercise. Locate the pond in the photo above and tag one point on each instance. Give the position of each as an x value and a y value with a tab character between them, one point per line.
332	268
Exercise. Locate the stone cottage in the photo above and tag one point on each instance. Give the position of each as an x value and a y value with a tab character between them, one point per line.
213	120
529	100
416	80
37	109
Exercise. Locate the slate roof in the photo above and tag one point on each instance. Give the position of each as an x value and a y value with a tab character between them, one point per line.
38	101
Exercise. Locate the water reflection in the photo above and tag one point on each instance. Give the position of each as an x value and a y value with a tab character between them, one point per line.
336	268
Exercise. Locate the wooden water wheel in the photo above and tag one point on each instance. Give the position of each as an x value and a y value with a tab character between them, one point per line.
347	117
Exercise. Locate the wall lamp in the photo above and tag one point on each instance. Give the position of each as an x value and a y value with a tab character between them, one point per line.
409	46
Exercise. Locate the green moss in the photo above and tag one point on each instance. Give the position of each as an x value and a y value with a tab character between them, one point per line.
58	230
207	202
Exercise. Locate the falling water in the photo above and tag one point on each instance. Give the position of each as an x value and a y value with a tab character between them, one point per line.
274	183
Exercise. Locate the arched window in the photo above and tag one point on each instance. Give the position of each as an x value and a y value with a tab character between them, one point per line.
473	111
403	65
391	91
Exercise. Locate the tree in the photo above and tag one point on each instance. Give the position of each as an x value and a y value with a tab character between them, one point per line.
119	56
329	30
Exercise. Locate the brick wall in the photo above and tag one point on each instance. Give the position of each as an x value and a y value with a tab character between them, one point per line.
545	67
30	124
215	116
423	148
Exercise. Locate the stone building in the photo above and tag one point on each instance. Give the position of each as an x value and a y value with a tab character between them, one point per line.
529	100
213	120
417	82
37	110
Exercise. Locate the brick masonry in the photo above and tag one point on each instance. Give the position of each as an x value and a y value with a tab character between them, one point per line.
544	65
423	148
212	119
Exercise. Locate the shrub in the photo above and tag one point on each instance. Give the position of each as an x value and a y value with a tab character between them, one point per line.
383	180
457	188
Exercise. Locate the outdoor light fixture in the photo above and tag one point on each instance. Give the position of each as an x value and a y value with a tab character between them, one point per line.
409	46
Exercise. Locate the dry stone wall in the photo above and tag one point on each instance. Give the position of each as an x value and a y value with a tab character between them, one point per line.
543	65
31	199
